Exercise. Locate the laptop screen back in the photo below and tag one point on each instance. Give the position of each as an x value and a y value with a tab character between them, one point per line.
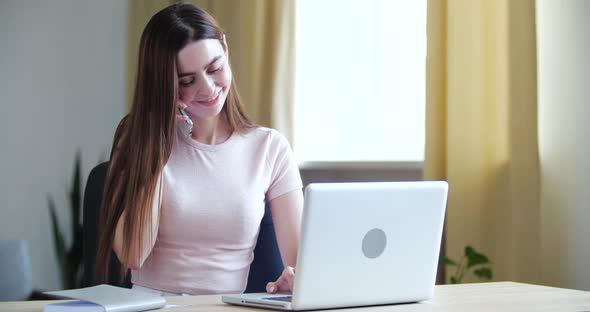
369	243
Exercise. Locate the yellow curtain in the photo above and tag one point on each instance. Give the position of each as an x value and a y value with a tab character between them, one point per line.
260	36
139	13
481	133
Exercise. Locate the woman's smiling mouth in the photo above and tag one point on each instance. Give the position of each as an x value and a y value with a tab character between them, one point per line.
210	102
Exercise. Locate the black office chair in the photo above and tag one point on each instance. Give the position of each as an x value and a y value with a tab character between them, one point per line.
266	266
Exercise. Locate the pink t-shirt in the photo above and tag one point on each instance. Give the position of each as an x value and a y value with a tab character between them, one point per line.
213	199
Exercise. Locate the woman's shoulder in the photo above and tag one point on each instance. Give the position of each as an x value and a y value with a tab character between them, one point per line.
273	145
269	135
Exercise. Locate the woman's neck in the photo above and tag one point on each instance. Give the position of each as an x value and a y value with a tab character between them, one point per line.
212	131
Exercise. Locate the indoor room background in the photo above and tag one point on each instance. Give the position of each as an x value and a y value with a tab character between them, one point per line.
504	118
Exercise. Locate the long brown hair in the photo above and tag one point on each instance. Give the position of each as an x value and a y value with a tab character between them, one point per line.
143	141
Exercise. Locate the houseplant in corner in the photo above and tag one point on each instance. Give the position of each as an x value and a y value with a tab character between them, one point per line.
471	261
70	259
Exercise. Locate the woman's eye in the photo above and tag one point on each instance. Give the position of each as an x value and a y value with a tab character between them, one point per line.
186	83
215	70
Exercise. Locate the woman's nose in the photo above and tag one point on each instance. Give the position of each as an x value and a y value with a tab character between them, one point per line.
207	87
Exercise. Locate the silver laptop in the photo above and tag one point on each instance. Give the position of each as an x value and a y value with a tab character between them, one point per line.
363	244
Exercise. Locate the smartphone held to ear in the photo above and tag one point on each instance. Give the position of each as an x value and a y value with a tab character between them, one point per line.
188	121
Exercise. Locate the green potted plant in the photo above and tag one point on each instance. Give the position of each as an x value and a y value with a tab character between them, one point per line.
70	259
471	261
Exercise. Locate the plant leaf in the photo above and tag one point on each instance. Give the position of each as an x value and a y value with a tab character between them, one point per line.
454	280
474	258
444	260
60	247
76	193
483	273
74	253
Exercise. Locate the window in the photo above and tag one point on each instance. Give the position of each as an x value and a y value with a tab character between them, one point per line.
360	80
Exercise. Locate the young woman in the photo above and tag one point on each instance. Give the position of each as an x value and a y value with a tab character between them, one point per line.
182	210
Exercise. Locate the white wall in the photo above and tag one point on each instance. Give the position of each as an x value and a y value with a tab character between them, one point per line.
62	88
563	39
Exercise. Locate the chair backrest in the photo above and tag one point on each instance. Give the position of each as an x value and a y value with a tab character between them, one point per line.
266	266
91	214
15	271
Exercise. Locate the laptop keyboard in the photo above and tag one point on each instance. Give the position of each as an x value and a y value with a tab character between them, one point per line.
284	298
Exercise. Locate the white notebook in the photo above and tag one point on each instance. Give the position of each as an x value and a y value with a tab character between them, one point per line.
104	298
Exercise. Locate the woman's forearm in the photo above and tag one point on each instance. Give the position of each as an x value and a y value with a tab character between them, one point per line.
286	215
137	256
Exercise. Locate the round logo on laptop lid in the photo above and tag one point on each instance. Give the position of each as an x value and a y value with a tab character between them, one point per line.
374	243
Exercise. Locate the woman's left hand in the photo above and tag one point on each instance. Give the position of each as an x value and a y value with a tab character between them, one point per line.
284	283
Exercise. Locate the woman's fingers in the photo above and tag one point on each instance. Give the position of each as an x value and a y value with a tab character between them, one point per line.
277	286
180	104
284	283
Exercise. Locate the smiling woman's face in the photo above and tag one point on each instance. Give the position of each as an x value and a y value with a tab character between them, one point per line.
204	77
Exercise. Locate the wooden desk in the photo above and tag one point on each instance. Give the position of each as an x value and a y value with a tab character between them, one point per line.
503	297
